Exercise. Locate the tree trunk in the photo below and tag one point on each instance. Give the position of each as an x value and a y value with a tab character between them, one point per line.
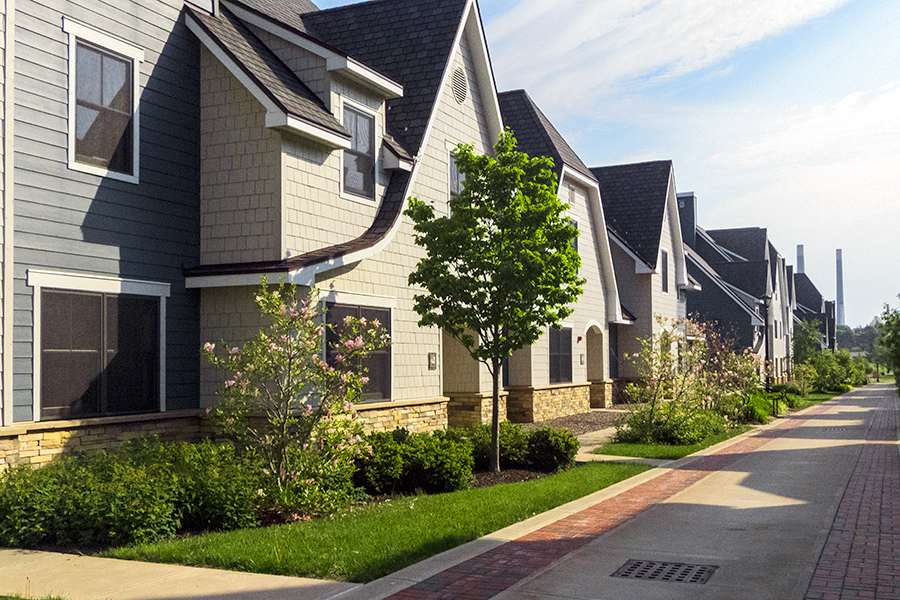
495	420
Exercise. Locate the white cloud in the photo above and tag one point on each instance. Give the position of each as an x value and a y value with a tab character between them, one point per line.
570	52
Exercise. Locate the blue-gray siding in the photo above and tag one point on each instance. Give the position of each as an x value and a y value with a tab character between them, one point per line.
76	222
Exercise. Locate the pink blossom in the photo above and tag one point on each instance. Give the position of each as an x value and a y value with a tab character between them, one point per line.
209	347
259	492
207	410
229	383
364	380
234	350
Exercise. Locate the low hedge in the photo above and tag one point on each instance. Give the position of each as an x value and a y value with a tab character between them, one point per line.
144	492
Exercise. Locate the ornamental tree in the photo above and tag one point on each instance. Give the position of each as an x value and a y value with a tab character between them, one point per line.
501	267
282	401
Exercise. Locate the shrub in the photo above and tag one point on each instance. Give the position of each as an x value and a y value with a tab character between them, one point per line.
676	424
380	472
94	500
805	376
513	446
216	488
756	409
552	449
407	462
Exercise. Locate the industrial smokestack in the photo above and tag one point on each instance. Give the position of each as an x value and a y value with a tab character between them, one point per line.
840	288
801	265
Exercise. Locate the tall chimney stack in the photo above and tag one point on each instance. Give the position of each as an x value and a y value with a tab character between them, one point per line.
840	288
687	214
801	265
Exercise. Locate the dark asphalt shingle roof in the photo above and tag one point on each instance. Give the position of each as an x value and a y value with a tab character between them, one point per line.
807	293
750	276
535	134
634	202
261	65
749	242
287	12
410	42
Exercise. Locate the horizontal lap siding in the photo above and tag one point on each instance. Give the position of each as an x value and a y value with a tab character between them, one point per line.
76	222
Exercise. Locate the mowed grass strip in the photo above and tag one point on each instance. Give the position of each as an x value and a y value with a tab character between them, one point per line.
666	452
378	539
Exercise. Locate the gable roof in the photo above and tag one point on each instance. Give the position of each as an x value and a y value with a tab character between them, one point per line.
258	63
750	276
808	294
742	299
750	243
410	42
536	135
634	200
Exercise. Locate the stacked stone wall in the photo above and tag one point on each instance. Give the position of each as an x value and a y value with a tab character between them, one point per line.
536	404
416	415
474	409
602	394
38	443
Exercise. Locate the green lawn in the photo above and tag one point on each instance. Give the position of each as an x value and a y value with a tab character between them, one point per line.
379	539
666	452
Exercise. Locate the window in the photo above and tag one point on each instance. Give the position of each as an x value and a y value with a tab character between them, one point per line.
99	354
560	355
574	241
665	272
378	363
359	160
457	179
103	107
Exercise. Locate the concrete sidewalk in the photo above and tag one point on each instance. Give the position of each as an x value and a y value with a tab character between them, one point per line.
805	508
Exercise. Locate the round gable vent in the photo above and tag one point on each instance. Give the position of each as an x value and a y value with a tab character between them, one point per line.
460	85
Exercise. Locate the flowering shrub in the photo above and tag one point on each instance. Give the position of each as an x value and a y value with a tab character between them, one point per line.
282	401
692	383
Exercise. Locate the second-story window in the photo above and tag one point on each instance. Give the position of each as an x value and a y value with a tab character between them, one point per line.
359	160
574	241
457	179
665	272
103	108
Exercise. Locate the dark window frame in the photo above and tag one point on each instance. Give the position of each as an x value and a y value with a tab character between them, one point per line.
379	388
560	354
665	271
120	372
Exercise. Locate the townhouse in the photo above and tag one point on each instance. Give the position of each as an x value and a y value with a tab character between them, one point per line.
160	156
641	211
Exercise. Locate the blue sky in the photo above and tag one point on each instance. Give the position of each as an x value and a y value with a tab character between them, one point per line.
784	115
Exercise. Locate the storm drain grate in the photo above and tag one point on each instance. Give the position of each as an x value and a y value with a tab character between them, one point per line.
653	570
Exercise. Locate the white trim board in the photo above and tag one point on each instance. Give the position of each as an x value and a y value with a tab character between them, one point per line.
78	31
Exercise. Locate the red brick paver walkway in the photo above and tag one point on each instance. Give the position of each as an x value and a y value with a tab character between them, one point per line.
490	573
861	557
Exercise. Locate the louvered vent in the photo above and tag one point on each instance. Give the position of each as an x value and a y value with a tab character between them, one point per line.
460	85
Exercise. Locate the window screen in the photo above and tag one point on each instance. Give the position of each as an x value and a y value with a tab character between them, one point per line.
359	160
560	355
378	363
99	354
103	110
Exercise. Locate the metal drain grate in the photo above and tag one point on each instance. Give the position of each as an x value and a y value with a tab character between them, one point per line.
665	571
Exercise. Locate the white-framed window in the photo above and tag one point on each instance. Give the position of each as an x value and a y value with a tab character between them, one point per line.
104	88
359	177
99	345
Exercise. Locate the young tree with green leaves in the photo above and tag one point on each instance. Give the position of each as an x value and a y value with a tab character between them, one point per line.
889	335
807	341
501	267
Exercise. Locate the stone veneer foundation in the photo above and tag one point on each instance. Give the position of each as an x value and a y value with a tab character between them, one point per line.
38	443
474	409
414	415
602	394
534	404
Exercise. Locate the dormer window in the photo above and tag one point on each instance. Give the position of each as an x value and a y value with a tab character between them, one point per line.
359	160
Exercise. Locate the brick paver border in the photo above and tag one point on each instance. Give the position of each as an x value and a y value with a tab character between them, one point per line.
494	571
861	556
